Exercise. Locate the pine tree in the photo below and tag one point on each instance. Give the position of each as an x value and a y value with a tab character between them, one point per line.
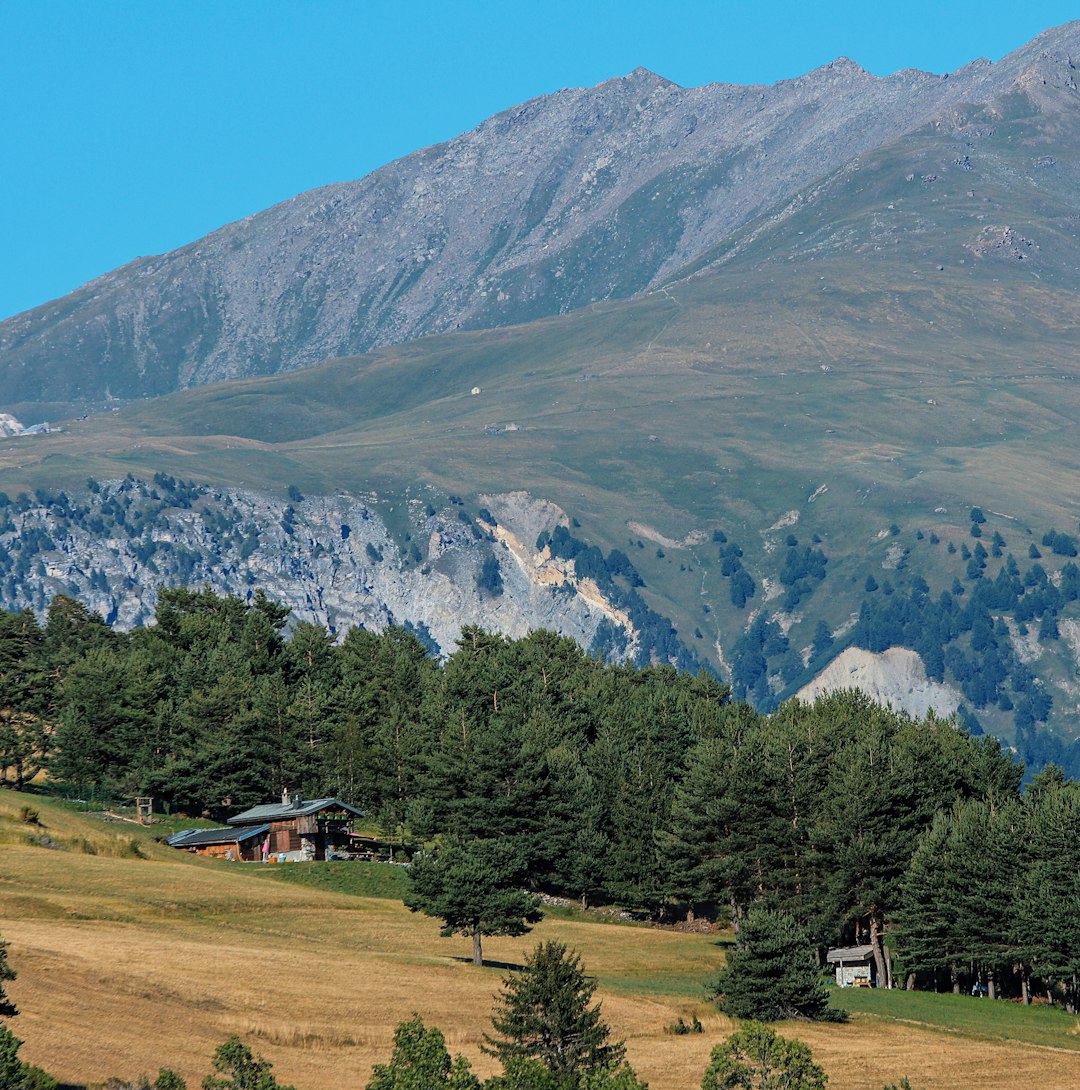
922	919
12	1069
475	888
771	973
986	873
544	1015
24	697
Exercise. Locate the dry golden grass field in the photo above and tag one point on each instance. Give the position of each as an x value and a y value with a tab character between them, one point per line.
127	964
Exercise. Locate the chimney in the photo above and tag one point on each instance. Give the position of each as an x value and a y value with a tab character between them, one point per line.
297	801
284	796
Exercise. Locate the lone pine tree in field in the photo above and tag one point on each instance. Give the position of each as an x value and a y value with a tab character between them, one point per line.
474	887
544	1015
771	973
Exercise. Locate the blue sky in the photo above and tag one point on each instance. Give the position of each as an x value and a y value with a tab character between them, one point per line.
134	127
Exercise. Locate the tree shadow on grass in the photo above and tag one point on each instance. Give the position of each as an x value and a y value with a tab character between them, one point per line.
506	966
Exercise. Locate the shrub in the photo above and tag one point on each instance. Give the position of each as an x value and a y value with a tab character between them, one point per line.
239	1069
421	1062
681	1028
758	1058
489	578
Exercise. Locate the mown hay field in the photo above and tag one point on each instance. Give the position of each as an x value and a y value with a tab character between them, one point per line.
130	963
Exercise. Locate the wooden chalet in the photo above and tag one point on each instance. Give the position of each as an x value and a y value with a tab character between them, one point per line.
240	844
297	829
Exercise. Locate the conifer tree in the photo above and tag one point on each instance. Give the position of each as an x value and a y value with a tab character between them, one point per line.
24	698
771	973
545	1015
12	1069
475	888
986	875
922	919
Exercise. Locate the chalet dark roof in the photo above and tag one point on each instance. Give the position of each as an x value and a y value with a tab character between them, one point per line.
283	811
192	838
850	953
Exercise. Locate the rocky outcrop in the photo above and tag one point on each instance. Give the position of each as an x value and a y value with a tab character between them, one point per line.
578	196
332	560
894	677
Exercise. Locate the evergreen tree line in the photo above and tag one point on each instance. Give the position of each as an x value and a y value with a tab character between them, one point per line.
643	786
991	898
964	632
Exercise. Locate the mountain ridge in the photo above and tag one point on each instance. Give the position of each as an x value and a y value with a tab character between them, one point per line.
581	195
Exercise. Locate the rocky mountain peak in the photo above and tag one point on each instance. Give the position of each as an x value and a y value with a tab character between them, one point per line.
842	68
642	75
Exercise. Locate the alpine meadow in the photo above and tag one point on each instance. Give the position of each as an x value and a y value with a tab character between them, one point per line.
592	605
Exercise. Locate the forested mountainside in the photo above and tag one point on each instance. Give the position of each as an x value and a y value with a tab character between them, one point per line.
575	197
335	561
998	641
647	786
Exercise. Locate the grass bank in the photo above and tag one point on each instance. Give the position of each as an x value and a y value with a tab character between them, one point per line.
961	1014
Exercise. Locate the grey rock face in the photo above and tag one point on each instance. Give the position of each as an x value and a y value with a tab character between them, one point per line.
332	560
570	198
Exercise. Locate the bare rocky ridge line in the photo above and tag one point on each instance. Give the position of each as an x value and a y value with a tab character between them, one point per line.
577	196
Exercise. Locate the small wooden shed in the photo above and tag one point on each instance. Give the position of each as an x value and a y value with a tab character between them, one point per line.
854	966
299	829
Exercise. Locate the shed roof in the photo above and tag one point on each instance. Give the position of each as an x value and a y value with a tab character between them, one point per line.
282	811
191	838
850	953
